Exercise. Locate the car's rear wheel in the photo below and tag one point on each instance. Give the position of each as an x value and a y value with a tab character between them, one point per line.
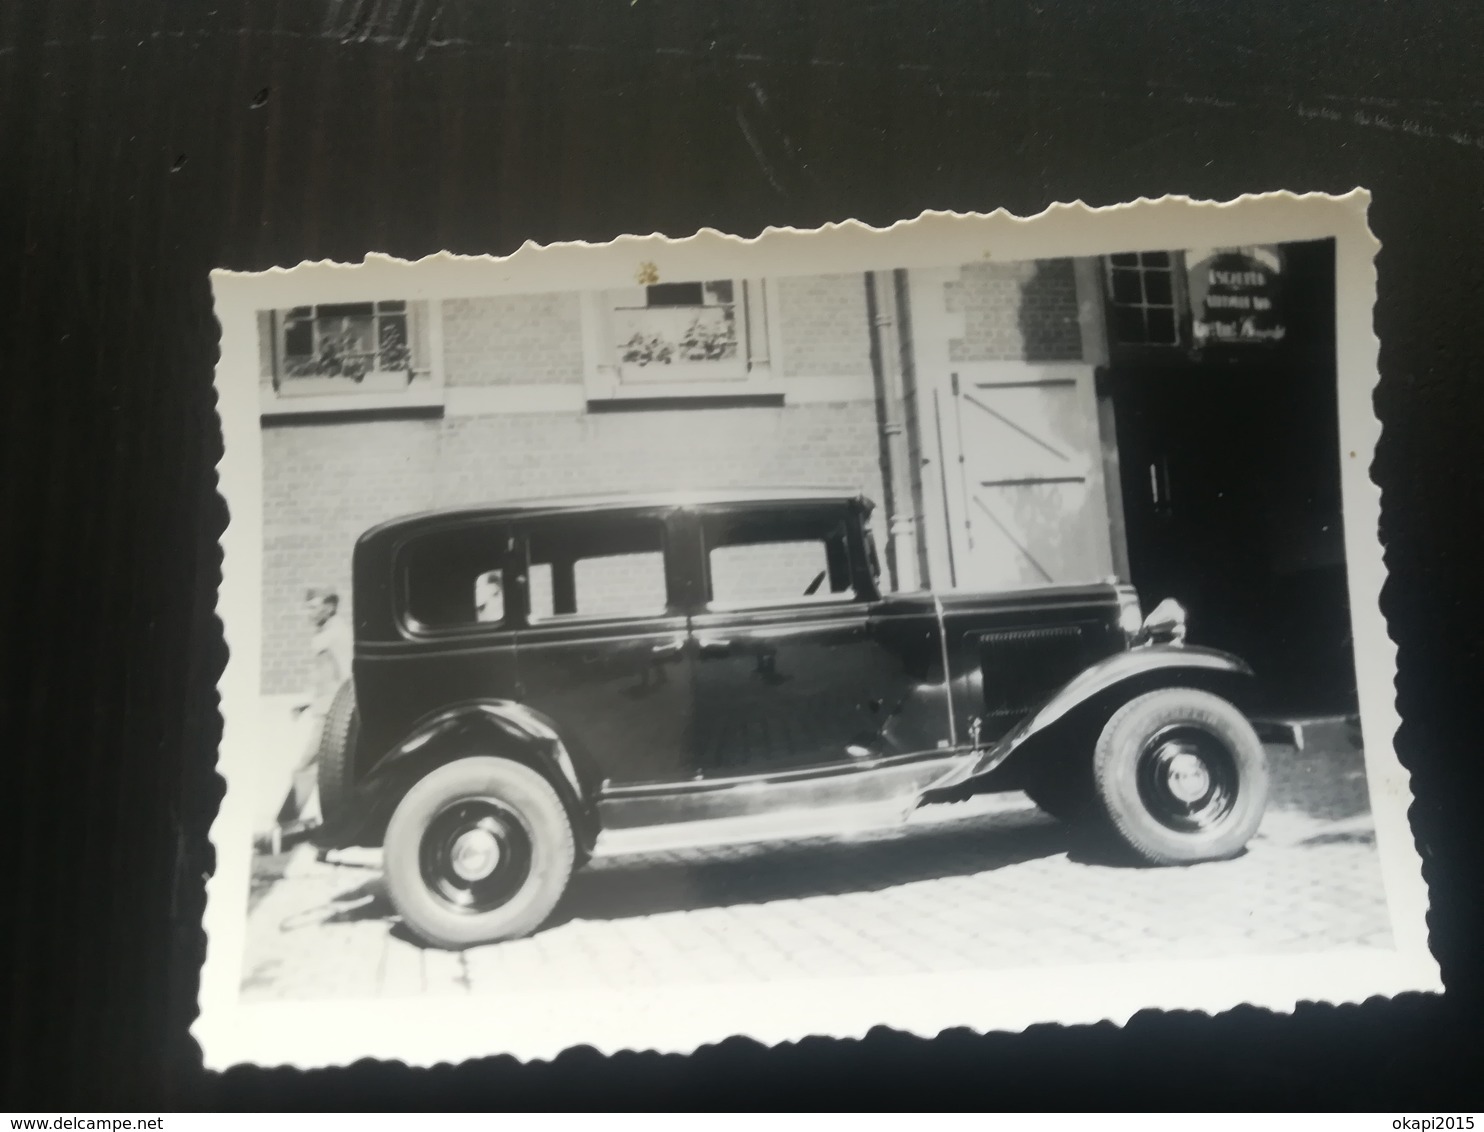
334	765
1182	776
478	851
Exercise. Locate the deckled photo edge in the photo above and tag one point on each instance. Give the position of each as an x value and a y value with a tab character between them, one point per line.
225	1027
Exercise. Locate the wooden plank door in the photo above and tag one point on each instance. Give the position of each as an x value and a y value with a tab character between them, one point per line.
1029	505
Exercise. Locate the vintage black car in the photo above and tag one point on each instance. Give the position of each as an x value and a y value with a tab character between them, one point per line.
536	685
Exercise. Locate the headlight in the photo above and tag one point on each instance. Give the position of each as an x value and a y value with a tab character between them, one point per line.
1166	622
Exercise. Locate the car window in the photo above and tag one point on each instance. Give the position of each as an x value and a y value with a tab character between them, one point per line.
457	577
596	567
777	558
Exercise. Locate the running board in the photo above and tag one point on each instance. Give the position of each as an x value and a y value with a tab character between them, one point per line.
786	825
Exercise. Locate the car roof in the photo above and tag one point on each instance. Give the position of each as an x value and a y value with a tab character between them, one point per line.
621	502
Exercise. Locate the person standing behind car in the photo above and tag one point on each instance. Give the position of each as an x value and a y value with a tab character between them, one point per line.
331	648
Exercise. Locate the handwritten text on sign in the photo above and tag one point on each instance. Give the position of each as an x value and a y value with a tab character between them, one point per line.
1235	296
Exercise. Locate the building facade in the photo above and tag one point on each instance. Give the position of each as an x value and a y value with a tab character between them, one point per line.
1001	414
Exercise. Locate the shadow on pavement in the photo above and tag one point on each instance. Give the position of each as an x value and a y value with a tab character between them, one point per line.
366	901
1101	848
1347	837
1326	783
767	873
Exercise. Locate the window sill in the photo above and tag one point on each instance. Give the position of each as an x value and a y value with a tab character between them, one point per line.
414	403
668	401
756	392
376	381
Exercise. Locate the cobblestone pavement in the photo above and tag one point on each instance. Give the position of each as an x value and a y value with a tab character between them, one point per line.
985	884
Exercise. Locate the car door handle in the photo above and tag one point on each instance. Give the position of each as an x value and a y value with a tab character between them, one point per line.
714	646
668	648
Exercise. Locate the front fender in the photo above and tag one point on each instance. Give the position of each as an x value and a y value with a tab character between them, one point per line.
1165	662
530	729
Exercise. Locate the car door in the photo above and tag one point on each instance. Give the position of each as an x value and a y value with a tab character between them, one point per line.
601	649
455	639
785	662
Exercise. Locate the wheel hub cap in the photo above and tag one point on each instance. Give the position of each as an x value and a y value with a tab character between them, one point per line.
1187	777
475	854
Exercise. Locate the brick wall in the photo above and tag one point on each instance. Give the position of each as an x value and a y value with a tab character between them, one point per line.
1017	311
823	326
325	484
513	340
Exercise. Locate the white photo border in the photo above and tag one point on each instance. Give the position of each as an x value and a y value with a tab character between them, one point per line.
679	1019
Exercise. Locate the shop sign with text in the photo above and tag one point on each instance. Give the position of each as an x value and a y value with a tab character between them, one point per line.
1236	296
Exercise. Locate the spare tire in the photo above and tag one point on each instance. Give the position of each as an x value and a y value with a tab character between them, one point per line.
336	761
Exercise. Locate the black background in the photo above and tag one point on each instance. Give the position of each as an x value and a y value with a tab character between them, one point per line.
147	141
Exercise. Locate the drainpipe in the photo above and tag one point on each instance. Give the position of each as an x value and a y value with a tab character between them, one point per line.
886	372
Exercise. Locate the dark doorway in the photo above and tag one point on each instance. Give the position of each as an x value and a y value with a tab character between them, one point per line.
1229	461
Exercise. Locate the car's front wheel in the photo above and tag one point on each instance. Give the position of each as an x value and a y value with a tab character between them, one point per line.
1182	776
478	851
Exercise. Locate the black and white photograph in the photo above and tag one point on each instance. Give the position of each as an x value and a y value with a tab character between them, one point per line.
971	622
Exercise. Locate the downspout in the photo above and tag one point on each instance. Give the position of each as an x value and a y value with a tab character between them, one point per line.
892	440
912	417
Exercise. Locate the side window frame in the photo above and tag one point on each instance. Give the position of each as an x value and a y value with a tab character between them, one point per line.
861	590
671	541
408	623
865	555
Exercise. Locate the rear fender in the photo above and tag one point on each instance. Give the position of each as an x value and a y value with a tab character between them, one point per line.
511	728
1115	678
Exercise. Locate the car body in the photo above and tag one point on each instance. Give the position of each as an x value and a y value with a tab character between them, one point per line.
689	670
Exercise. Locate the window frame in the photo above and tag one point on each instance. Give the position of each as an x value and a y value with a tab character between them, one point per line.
752	374
671	541
863	588
423	389
1179	305
415	629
